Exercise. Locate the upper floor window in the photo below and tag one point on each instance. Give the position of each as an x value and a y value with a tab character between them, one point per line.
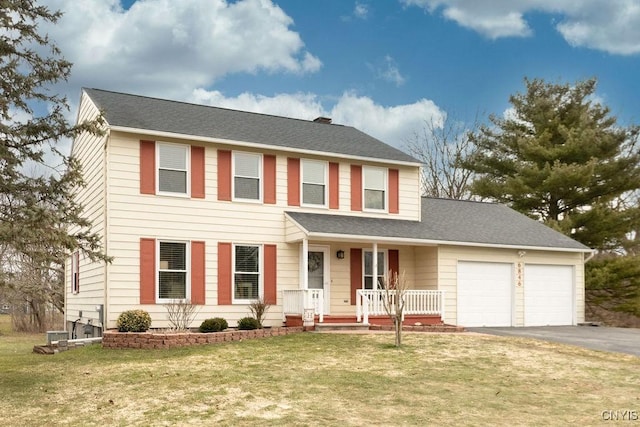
246	176
172	272
375	188
246	272
314	182
173	168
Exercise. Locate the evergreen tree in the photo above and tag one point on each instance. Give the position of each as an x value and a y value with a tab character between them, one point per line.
37	208
562	158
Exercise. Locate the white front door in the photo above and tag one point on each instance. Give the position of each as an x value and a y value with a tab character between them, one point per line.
318	272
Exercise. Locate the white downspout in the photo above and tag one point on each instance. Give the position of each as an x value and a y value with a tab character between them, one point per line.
591	255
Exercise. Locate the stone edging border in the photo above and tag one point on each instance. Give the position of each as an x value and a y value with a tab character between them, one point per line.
152	340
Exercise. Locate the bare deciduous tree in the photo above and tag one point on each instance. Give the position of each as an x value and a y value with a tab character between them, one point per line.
441	146
33	290
394	288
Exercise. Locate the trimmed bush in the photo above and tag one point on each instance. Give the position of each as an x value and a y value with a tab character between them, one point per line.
248	323
133	321
216	324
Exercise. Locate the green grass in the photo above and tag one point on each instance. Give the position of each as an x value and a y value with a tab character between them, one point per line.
318	379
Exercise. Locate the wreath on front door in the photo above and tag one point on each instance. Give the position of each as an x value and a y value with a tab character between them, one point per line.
315	262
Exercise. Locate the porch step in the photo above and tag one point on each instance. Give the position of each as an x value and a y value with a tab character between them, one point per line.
324	327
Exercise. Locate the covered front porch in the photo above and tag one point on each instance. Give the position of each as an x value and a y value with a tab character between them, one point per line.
305	307
343	263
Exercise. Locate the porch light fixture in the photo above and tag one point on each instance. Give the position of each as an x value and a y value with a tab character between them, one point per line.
340	254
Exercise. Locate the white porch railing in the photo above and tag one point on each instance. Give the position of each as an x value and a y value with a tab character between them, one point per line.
370	303
296	301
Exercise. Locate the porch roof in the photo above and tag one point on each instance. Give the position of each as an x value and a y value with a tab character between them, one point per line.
444	221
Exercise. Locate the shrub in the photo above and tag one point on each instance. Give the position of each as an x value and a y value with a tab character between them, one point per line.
259	309
180	314
133	321
216	324
247	323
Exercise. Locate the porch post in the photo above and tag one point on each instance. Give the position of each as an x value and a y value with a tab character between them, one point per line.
305	265
374	280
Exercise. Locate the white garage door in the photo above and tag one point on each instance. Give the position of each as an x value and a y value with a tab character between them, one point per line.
485	294
548	295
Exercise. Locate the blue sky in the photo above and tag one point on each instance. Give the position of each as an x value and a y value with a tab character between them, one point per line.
382	66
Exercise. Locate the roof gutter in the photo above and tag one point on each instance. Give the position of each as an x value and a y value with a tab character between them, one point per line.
257	145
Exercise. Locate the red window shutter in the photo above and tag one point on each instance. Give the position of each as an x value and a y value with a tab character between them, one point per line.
224	273
293	181
394	261
356	187
356	272
147	271
394	191
197	172
269	171
147	167
334	186
270	274
224	175
197	273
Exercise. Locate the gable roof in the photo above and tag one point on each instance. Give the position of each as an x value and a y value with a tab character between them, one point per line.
445	221
144	113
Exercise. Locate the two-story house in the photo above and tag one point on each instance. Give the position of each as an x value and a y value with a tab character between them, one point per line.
219	207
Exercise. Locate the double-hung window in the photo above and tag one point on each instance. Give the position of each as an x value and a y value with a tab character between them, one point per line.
375	188
172	271
246	272
173	168
368	270
247	176
314	183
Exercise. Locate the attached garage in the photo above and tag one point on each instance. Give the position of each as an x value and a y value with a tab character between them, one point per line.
548	295
485	294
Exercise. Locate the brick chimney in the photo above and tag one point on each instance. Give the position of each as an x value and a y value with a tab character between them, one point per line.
325	120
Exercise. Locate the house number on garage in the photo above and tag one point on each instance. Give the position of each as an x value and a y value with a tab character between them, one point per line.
519	273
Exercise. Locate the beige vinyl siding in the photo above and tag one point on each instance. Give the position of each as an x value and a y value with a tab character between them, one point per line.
89	150
132	216
293	233
448	257
426	270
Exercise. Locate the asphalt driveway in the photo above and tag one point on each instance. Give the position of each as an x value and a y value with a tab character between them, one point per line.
618	340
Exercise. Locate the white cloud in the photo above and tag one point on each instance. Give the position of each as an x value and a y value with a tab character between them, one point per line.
304	106
392	125
176	45
390	72
361	11
609	25
177	49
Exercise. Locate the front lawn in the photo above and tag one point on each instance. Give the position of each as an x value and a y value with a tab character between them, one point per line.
318	379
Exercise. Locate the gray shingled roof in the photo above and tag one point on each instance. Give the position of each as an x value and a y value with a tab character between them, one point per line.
140	112
445	220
